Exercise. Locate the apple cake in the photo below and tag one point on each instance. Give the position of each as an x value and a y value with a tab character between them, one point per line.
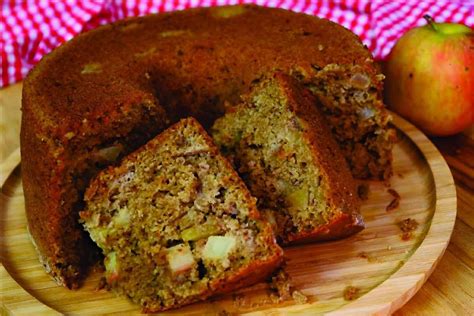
176	223
108	91
280	144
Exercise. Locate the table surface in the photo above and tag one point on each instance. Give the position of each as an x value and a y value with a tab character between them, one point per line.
448	291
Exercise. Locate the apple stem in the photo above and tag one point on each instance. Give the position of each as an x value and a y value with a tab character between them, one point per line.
431	22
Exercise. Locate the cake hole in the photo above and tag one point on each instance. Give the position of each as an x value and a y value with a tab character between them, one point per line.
202	271
173	242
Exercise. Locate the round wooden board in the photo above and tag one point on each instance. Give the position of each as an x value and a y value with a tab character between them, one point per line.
385	268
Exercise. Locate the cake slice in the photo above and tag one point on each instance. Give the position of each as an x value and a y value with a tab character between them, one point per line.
176	224
284	151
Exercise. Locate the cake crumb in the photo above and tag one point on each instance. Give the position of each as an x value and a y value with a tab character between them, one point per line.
299	297
363	191
275	299
394	193
102	285
395	201
406	236
351	293
392	205
282	289
280	284
407	226
365	255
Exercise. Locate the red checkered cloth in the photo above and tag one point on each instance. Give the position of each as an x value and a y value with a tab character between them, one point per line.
31	28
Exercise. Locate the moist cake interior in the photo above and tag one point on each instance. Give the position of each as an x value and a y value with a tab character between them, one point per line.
174	220
270	142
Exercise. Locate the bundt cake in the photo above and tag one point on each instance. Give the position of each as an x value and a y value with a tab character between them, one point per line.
284	151
108	91
176	223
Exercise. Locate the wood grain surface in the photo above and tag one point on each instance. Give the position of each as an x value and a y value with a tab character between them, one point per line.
320	271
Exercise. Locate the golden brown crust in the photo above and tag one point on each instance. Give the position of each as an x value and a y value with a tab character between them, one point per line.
53	229
174	57
102	88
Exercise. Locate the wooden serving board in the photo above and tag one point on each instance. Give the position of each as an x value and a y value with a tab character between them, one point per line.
387	268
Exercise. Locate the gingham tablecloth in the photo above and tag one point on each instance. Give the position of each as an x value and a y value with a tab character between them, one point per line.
31	28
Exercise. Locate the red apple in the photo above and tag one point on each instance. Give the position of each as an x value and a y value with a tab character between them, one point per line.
429	77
